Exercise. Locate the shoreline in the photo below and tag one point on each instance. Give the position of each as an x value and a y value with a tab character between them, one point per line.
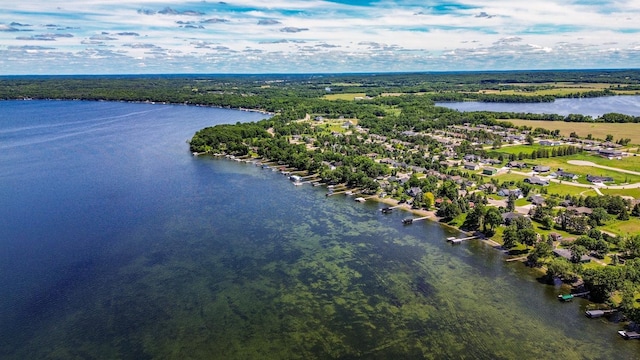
430	214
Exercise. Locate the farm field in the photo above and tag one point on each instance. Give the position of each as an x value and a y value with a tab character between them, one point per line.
597	130
345	96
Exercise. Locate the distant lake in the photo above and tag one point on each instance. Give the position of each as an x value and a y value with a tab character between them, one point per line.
117	243
629	105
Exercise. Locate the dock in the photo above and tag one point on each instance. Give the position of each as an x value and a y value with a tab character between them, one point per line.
408	221
455	240
599	313
569	297
629	334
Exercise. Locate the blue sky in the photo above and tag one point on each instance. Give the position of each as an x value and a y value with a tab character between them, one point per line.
303	36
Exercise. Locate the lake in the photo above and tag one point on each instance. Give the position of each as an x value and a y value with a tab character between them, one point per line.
116	243
594	107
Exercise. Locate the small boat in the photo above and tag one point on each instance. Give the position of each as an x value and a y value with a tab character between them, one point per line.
386	210
566	297
407	221
629	334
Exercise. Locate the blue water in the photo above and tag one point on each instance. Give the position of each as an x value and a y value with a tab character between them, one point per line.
116	243
594	107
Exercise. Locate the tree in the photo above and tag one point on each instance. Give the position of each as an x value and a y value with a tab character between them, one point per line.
493	217
476	217
541	250
510	237
528	236
577	251
636	210
609	137
529	139
560	268
547	222
511	203
599	215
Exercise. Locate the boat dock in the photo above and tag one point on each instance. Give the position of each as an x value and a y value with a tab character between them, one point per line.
408	221
599	313
569	297
629	334
389	209
455	240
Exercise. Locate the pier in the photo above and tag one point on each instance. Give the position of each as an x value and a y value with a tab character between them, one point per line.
389	209
408	221
569	297
455	240
599	313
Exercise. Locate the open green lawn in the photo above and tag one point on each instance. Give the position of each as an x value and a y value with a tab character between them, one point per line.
583	171
516	149
346	96
635	193
629	227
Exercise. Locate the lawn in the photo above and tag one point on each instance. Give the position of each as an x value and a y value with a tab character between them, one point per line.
597	130
345	96
583	171
628	227
516	149
635	193
563	189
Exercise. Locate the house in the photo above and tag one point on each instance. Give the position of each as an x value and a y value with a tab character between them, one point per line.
599	179
508	192
566	253
536	181
555	236
565	175
516	164
489	171
488	188
541	168
581	210
536	200
610	153
549	143
508	217
414	191
471	166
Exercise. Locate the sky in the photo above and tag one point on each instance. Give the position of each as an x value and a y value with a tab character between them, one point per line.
313	36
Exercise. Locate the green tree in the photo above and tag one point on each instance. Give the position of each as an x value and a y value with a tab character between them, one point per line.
493	217
541	250
510	237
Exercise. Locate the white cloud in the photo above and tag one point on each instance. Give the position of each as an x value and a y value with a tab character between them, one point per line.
301	36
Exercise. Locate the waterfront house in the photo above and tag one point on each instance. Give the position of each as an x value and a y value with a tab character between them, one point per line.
414	191
566	253
508	217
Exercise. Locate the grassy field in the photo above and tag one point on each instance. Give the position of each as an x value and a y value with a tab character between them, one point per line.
346	96
597	130
583	171
516	149
635	193
628	227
